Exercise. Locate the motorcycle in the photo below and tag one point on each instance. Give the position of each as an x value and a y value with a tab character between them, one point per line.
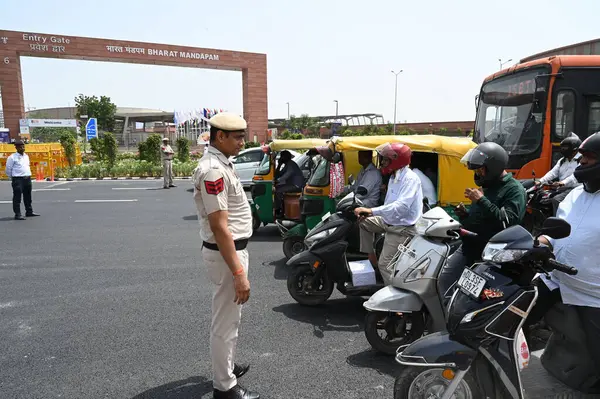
412	304
314	271
539	206
484	349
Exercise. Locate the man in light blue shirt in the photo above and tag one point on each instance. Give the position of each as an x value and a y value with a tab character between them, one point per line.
370	178
403	206
581	208
19	171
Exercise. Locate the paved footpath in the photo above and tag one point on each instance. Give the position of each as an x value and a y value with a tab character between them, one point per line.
105	296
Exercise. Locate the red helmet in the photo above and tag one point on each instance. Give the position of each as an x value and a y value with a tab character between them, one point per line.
398	154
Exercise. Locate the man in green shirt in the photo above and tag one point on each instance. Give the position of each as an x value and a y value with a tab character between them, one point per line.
498	204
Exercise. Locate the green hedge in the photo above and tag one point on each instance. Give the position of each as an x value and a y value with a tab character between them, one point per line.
124	168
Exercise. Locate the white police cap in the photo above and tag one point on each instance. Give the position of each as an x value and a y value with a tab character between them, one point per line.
228	121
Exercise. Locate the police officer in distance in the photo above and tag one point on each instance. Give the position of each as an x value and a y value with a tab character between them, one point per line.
225	227
18	171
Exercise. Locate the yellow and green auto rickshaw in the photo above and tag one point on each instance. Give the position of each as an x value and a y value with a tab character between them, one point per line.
262	191
437	157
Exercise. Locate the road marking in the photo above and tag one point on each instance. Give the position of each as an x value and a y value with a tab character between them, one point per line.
5	202
58	184
132	188
51	189
108	200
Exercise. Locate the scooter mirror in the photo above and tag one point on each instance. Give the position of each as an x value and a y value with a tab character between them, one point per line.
556	228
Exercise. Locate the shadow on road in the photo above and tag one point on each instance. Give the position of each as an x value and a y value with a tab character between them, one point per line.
190	190
370	359
190	388
281	270
191	217
7	219
346	314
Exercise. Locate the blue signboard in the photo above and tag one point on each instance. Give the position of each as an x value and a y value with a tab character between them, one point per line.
91	128
4	135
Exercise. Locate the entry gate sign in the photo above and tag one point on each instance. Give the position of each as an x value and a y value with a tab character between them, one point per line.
91	128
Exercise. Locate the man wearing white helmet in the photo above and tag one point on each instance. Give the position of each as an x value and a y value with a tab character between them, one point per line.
225	227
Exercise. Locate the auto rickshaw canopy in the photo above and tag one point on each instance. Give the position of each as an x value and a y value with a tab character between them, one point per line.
302	144
453	176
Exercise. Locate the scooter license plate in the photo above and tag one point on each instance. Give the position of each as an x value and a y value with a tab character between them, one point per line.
471	283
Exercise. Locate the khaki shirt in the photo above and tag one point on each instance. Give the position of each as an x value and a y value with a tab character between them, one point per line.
218	188
166	149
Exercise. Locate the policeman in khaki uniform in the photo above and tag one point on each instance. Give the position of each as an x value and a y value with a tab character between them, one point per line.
166	154
225	227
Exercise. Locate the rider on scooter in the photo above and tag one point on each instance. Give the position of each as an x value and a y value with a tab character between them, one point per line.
403	206
581	208
499	203
561	175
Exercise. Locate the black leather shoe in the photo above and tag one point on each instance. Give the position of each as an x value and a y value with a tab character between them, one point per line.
172	185
237	392
32	214
19	217
240	369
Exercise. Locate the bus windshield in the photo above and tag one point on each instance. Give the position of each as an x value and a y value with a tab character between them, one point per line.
507	113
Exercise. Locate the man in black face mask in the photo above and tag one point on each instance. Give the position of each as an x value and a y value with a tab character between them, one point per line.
561	175
498	204
580	250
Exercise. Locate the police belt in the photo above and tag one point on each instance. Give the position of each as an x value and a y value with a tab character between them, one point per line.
239	245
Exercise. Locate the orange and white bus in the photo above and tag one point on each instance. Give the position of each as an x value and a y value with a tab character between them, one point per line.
531	107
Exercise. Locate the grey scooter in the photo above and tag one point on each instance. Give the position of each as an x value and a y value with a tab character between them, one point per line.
412	303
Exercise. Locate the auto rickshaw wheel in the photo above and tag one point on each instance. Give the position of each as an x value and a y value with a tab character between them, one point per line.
255	221
292	246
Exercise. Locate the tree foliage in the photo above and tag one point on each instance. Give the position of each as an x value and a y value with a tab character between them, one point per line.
101	108
150	149
305	125
50	134
109	145
97	149
67	140
183	149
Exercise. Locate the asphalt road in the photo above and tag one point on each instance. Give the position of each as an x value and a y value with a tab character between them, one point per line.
105	296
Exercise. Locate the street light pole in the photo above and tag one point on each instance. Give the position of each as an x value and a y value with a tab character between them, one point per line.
288	104
502	63
396	97
336	108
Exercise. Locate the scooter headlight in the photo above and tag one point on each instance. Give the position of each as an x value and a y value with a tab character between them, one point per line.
423	224
497	253
319	236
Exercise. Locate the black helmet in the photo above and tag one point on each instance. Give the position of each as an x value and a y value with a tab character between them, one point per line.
569	146
492	156
589	175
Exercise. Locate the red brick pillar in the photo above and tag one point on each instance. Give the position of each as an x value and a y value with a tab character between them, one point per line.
12	90
254	86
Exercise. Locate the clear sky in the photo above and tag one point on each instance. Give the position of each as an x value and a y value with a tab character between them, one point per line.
317	51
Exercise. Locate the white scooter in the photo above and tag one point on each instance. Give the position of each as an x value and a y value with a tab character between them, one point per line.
412	304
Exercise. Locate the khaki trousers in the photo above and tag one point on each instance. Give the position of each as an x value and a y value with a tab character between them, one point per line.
394	236
167	172
226	316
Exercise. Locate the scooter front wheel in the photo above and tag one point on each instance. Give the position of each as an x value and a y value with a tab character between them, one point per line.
400	330
424	383
306	288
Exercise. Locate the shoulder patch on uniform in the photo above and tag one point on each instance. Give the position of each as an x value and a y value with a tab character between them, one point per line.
214	187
